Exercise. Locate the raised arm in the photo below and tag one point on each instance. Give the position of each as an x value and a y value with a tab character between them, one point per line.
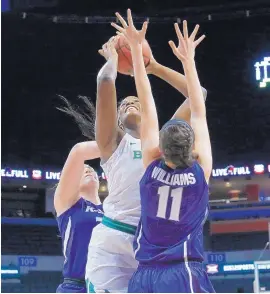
107	130
176	80
186	53
67	191
172	77
149	119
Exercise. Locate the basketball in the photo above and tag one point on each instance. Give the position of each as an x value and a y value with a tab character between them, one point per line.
124	56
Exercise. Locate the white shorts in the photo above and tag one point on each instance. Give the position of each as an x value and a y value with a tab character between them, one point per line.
111	261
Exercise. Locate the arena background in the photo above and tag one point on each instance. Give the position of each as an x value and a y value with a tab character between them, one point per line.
50	49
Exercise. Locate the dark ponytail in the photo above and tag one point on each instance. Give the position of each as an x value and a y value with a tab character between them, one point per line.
84	116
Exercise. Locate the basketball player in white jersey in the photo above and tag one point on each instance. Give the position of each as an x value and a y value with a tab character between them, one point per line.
111	261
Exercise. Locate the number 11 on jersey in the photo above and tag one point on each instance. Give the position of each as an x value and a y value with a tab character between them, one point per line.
164	193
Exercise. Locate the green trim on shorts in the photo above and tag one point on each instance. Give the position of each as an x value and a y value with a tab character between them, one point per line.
119	226
91	288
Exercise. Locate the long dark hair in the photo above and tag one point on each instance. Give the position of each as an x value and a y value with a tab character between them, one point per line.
84	116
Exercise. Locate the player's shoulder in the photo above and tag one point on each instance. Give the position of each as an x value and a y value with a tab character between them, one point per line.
155	163
199	172
150	168
65	217
197	167
123	143
71	210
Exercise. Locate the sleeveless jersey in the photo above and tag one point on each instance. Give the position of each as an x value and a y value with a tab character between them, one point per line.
174	208
75	226
124	170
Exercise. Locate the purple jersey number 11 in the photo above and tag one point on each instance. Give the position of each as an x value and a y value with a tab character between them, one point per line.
164	192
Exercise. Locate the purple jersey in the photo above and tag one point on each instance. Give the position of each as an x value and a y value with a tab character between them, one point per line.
174	208
76	225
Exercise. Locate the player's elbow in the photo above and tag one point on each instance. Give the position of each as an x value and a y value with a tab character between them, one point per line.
75	151
206	162
105	79
85	151
76	148
207	173
204	93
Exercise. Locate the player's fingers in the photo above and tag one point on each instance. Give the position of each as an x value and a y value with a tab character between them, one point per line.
114	40
101	52
194	33
122	21
123	35
144	28
185	30
197	42
111	40
120	29
119	34
172	45
178	32
104	47
112	43
129	17
175	51
181	39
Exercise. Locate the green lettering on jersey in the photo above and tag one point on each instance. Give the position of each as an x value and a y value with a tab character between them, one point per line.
137	154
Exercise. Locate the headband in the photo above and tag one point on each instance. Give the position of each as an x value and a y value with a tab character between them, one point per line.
176	121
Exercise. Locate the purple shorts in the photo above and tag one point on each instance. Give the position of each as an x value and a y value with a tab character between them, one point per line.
71	286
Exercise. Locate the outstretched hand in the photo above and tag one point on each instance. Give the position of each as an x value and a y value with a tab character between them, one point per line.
186	44
108	49
132	35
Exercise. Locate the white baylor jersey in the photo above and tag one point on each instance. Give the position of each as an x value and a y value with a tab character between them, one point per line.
124	170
